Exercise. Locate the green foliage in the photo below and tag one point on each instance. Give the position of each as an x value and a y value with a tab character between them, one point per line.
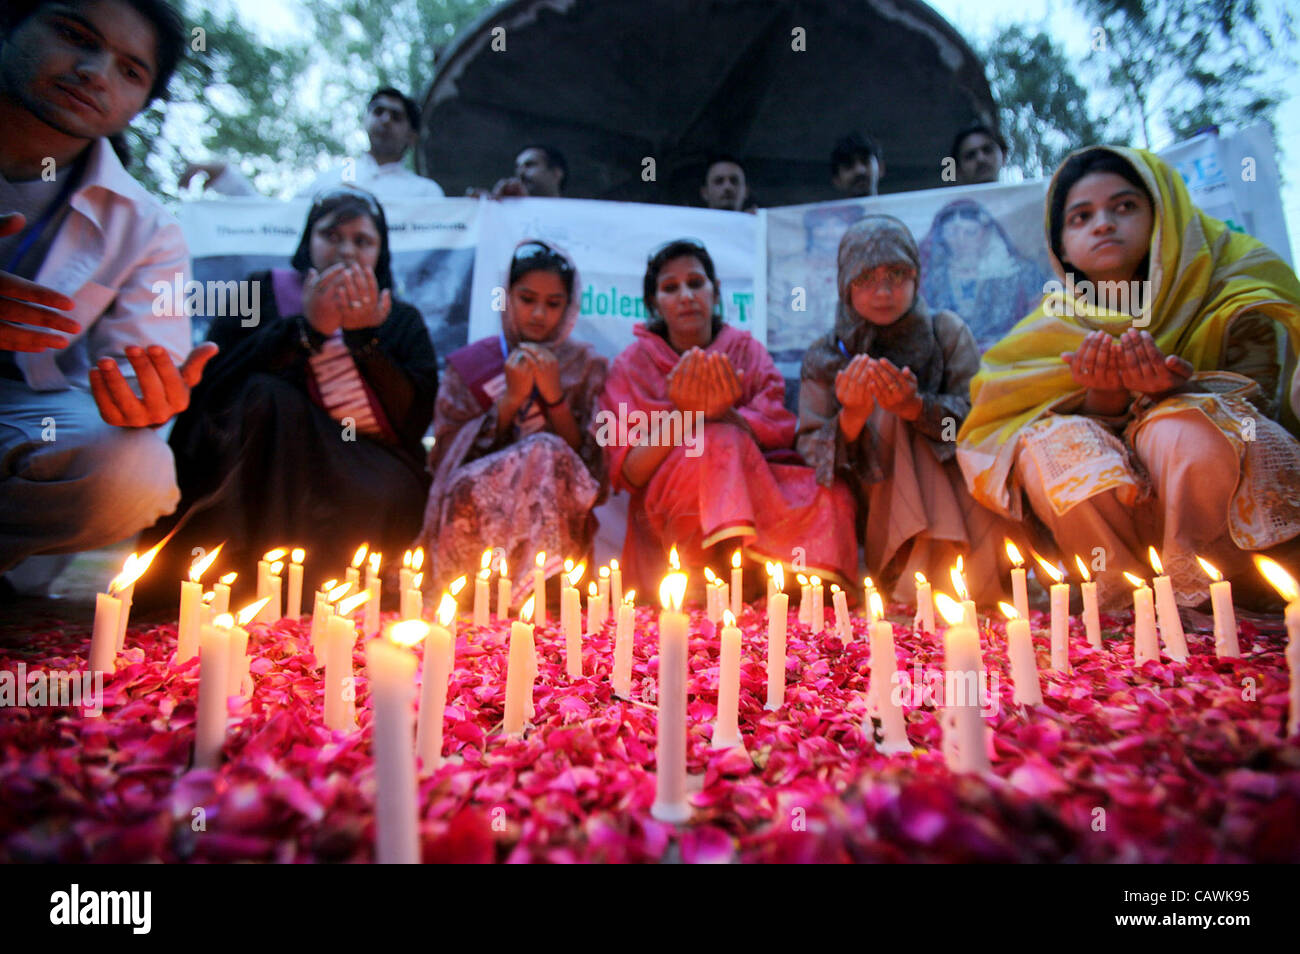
1043	108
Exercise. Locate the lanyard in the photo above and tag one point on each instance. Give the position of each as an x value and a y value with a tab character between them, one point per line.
34	231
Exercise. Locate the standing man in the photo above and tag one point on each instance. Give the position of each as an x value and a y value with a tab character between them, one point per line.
979	153
82	246
724	185
540	170
857	166
393	126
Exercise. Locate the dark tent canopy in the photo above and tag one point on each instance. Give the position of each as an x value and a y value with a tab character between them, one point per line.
614	82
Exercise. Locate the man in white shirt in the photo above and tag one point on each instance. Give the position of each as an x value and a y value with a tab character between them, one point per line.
81	465
393	125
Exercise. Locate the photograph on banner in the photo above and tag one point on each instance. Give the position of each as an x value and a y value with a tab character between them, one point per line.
982	256
610	243
432	242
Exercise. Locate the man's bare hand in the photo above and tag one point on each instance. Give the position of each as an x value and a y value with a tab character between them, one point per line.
164	388
25	307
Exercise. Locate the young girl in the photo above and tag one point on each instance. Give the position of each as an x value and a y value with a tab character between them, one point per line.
880	401
515	464
1151	426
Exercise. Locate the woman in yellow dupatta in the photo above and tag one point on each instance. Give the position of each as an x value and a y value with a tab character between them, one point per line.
1137	405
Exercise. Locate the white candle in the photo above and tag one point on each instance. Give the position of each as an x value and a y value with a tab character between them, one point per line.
214	683
842	626
670	804
221	595
1286	586
1171	625
818	618
123	617
924	620
615	584
268	585
340	693
712	596
294	608
805	599
1145	646
622	675
884	666
539	589
726	728
1088	588
724	598
778	608
1024	664
737	580
593	608
205	611
412	603
187	628
519	676
965	750
1060	627
571	611
374	586
433	699
1225	618
237	665
1019	587
602	595
353	574
103	638
481	598
392	692
503	592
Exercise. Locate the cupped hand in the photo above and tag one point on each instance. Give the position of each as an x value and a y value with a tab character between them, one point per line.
164	388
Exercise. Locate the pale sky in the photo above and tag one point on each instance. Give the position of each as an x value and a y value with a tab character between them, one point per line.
977	22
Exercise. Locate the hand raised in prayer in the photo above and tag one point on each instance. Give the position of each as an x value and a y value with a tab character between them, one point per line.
894	388
322	305
687	388
519	377
724	386
1095	364
364	305
1146	369
852	388
25	306
164	389
546	370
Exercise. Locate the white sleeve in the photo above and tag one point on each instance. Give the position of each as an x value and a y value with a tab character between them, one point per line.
231	182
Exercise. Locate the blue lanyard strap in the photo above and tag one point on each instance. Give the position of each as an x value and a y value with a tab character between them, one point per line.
34	231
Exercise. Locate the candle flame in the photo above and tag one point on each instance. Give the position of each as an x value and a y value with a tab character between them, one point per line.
920	578
349	605
359	557
1154	559
948	608
408	632
1278	578
526	611
540	559
298	554
504	571
485	560
406	560
803	580
672	591
276	567
374	560
246	614
709	575
779	576
224	620
628	597
591	589
1210	569
815	580
577	573
728	618
416	580
877	606
133	568
199	566
446	609
1137	581
228	578
1009	611
1083	568
457	584
270	556
604	573
867	583
336	594
958	580
674	563
735	560
209	596
1013	553
484	575
1055	572
613	565
568	565
834	588
417	559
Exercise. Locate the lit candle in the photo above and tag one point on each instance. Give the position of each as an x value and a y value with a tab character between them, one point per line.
615	584
670	804
1091	621
503	592
519	674
868	587
412	605
712	612
1019	589
221	599
404	574
1020	653
329	595
571	622
924	620
481	593
353	574
438	654
1145	646
726	728
276	591
126	596
1225	618
340	692
771	583
1171	625
805	599
294	608
964	745
187	628
841	602
737	579
1286	586
238	677
1060	593
602	595
884	666
132	569
391	667
622	676
818	620
778	608
214	684
968	615
374	585
108	609
539	588
205	609
271	608
593	608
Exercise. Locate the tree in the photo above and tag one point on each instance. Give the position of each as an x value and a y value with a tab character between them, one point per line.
1190	63
1043	108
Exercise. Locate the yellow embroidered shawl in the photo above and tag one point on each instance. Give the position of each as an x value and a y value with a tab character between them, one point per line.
1202	277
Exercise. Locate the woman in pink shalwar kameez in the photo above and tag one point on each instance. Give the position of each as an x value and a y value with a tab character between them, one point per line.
734	482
